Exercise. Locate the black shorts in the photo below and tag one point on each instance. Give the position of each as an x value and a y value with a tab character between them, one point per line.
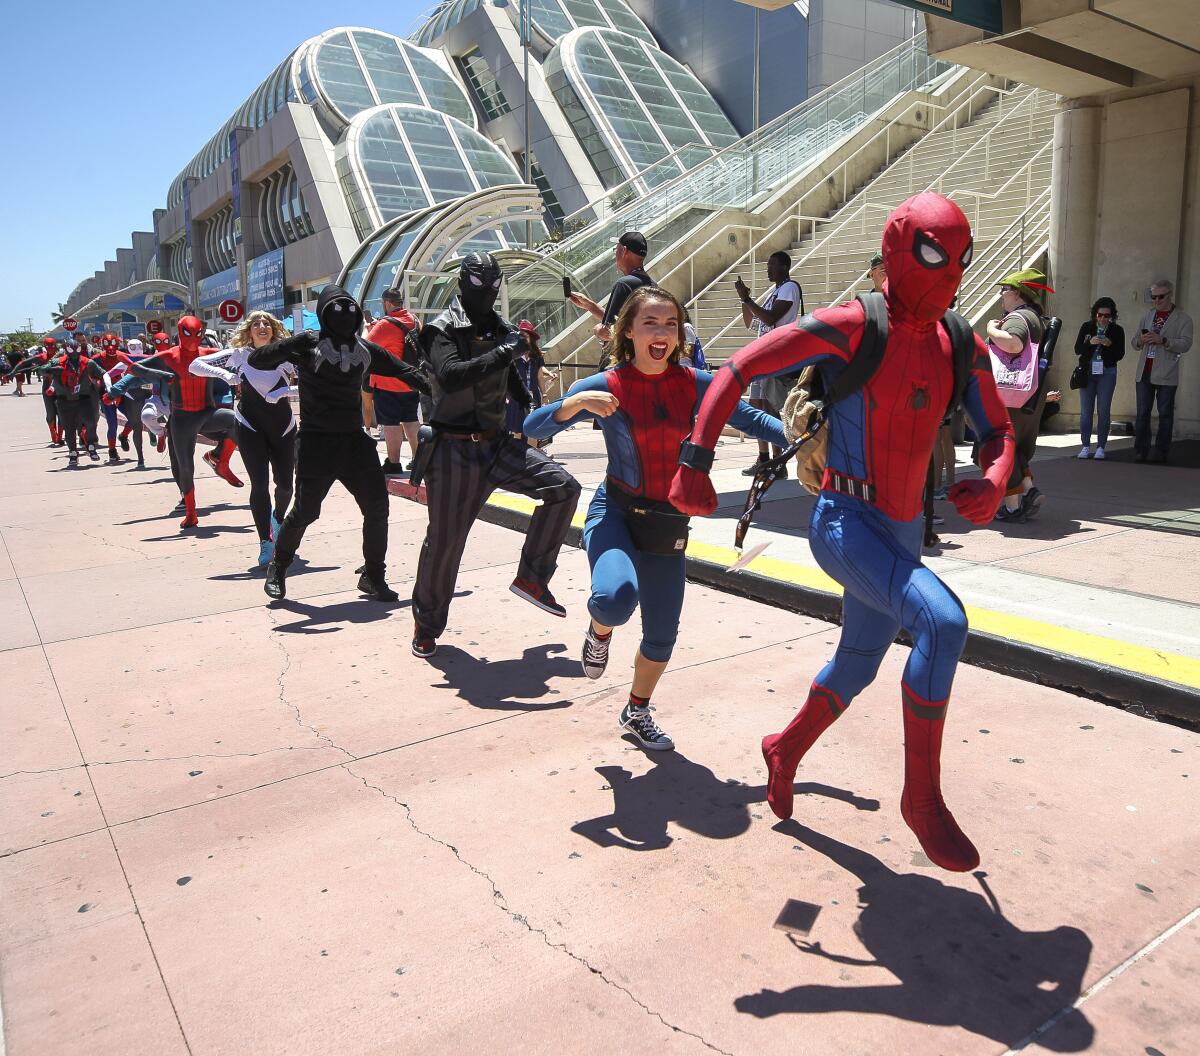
395	408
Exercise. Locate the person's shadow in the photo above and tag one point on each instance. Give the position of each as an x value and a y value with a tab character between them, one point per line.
489	684
958	960
688	794
326	619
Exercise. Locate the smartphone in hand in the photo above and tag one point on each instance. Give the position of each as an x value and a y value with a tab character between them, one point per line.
567	286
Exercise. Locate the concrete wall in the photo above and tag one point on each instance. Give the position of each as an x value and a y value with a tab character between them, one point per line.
844	35
1126	176
715	39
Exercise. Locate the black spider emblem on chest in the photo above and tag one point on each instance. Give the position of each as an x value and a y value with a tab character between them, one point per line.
661	414
918	399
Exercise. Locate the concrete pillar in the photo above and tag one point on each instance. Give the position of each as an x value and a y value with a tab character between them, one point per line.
1074	216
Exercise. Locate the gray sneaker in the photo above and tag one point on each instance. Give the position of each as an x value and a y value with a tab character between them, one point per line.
641	724
595	653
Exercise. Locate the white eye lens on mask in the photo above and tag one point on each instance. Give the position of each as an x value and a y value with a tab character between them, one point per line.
930	255
968	253
476	280
496	284
337	307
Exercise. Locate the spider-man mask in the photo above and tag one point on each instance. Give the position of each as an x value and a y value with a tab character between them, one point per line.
926	246
109	343
161	342
479	279
191	330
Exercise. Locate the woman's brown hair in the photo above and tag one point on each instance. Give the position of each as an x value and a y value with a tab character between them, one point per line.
241	336
622	346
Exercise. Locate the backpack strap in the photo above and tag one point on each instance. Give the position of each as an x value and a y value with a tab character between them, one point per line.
869	354
962	344
405	330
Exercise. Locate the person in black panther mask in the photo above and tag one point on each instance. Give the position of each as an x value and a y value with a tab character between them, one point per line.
470	349
330	366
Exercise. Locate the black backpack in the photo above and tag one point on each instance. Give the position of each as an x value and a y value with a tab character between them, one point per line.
414	354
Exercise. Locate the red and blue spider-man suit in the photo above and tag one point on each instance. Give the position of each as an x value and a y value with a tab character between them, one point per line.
194	411
867	526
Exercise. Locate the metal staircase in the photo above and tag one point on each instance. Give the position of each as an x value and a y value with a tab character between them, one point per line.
994	160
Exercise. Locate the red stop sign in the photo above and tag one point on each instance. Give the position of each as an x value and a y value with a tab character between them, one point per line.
154	326
231	311
70	324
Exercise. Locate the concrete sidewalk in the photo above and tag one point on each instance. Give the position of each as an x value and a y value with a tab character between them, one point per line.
227	828
1100	593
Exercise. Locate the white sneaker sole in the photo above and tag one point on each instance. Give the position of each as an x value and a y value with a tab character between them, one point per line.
652	746
534	601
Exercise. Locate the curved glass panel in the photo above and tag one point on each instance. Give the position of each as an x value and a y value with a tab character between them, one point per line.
636	101
398	159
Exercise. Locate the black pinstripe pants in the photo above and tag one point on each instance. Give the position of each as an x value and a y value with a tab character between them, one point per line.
460	477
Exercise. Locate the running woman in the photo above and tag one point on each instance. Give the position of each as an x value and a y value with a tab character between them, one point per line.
634	537
266	425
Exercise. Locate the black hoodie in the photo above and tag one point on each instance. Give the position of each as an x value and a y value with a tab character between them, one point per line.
330	365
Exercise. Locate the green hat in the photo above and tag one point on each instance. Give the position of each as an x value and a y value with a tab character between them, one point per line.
876	260
1030	281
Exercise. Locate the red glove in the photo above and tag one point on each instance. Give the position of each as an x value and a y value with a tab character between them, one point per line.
692	492
978	500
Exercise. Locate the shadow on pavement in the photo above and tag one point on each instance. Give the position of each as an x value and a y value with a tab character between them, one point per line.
957	959
326	619
688	794
488	684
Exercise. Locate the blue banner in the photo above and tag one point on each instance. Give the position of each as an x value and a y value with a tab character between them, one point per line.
216	288
264	281
983	14
235	183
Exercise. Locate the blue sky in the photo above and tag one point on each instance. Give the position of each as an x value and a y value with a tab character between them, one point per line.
103	104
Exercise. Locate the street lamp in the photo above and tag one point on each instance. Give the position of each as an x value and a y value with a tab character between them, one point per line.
524	28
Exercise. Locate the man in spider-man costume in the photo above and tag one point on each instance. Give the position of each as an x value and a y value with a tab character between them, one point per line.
194	410
36	359
114	363
867	524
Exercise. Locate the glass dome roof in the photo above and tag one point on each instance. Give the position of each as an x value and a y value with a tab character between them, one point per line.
630	104
395	160
552	18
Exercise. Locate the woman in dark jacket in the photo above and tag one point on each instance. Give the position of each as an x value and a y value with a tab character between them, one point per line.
1100	346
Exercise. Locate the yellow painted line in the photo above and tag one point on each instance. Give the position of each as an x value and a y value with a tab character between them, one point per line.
1140	659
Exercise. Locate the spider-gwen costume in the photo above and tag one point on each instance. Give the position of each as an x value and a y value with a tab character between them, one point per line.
642	438
114	362
867	524
194	411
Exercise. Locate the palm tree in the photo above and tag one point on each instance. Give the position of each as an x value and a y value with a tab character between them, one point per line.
58	316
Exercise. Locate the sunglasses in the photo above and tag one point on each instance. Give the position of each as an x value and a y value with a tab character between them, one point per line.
1159	296
1104	315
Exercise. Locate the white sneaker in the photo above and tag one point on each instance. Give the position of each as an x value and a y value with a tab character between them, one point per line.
1099	452
641	724
1085	452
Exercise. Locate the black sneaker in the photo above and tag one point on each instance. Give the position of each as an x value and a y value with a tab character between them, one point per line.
124	442
73	460
1031	502
595	653
424	644
93	454
750	470
376	588
538	595
641	724
393	469
276	581
112	455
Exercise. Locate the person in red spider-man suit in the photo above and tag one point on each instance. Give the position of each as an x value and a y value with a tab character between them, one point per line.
194	410
867	523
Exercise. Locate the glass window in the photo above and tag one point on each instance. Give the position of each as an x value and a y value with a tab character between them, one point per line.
387	69
341	76
479	77
444	92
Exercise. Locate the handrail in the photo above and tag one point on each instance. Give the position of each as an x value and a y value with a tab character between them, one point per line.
843	167
864	204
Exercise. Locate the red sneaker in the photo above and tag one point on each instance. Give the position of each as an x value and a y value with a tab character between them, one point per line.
538	595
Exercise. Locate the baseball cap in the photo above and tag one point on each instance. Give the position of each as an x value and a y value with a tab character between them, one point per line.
635	242
876	260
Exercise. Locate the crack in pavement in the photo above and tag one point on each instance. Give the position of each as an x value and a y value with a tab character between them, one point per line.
497	897
169	759
519	918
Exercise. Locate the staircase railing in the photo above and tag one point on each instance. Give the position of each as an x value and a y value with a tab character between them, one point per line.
734	177
861	212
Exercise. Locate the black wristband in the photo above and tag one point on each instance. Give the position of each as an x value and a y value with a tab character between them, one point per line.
694	457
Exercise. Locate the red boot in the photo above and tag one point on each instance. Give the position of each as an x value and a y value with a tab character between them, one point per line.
783	751
190	519
160	445
921	805
53	432
219	460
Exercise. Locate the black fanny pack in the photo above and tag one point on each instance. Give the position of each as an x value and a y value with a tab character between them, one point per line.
655	527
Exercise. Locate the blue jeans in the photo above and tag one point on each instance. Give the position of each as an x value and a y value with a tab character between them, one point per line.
623	577
1097	394
1147	395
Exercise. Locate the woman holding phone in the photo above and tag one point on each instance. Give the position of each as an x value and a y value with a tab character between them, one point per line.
1100	346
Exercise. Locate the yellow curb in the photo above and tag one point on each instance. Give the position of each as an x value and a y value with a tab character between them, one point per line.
1153	663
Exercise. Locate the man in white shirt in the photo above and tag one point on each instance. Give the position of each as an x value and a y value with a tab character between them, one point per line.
782	304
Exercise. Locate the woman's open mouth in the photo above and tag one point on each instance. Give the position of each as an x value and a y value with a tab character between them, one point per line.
658	350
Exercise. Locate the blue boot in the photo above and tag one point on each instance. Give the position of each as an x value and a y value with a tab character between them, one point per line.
266	551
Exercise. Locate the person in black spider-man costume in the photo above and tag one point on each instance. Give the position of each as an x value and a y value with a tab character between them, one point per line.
867	523
332	445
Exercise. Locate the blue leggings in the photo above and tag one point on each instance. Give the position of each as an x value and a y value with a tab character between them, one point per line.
110	416
877	560
622	574
1097	395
